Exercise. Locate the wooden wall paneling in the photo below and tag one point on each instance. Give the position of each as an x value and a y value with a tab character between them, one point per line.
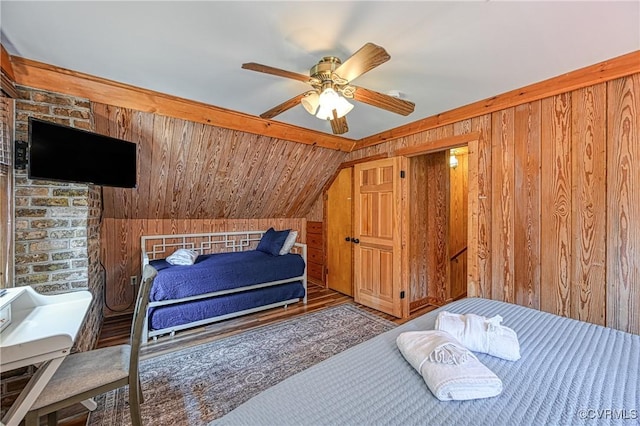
120	124
203	171
316	212
436	146
245	168
588	199
458	204
134	229
479	264
208	186
142	134
471	254
101	118
465	197
253	167
177	183
623	201
293	182
563	221
437	245
160	161
321	167
458	222
299	181
555	219
296	184
190	175
308	181
444	132
120	294
463	127
227	172
526	236
153	227
443	219
237	173
418	235
276	177
502	169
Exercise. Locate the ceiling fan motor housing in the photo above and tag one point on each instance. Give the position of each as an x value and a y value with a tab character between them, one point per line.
325	68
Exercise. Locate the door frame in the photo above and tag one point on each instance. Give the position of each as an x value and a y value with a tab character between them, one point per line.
471	140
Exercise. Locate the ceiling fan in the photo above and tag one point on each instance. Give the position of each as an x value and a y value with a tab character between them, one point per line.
331	81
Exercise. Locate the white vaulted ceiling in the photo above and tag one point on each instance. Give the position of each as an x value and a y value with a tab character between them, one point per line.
443	54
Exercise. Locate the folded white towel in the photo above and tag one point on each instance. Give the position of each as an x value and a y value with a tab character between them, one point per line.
449	369
481	334
183	257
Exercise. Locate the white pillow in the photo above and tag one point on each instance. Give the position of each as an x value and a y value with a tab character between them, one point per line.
289	242
183	257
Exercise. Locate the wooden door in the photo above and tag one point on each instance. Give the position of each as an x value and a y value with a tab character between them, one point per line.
339	229
377	252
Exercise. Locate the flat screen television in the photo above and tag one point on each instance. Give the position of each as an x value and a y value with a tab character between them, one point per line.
63	153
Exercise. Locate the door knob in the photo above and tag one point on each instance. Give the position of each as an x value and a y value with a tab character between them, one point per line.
347	239
355	240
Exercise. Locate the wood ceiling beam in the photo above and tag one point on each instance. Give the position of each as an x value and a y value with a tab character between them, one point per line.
5	63
604	71
7	76
48	77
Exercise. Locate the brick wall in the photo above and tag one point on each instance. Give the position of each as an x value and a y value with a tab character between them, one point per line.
57	228
50	217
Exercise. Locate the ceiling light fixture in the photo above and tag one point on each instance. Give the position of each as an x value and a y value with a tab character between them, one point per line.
330	91
322	105
330	101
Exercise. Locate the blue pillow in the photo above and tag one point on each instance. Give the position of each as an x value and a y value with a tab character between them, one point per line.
272	241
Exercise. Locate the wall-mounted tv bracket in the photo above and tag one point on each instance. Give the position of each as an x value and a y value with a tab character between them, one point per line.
20	155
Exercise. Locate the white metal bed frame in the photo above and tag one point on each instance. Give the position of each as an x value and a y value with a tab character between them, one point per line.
160	246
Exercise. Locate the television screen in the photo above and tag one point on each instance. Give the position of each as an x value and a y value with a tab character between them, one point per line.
62	153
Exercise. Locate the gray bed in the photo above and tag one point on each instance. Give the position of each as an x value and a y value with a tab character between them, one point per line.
570	373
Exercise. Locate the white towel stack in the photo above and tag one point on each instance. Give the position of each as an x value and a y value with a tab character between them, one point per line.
481	334
449	369
183	257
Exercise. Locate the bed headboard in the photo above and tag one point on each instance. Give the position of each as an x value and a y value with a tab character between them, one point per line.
161	246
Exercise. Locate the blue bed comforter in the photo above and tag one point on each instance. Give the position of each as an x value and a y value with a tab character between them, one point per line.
222	271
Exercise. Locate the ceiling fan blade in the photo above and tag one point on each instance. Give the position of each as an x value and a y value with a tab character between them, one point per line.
399	106
367	58
286	105
275	71
339	125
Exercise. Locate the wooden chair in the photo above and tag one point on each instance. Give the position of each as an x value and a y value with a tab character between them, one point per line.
84	375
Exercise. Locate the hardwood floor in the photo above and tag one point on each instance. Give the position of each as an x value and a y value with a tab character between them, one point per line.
116	330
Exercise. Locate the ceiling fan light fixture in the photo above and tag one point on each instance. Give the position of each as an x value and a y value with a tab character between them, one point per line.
311	102
330	100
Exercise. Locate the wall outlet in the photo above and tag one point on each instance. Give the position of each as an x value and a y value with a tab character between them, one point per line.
134	280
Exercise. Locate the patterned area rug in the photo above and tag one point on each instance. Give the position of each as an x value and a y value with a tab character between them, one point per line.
199	384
